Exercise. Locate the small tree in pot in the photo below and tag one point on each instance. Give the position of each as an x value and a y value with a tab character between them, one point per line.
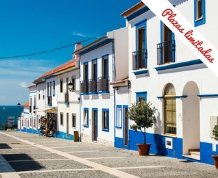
215	133
143	114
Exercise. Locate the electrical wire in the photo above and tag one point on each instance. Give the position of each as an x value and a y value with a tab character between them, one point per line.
46	51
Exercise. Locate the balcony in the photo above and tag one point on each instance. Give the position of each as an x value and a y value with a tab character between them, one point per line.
166	52
49	100
103	84
84	87
139	59
92	86
66	98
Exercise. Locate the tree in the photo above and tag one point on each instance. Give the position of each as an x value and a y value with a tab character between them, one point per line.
215	132
143	114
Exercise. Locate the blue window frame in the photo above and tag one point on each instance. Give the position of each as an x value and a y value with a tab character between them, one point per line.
141	96
119	116
86	117
105	120
140	55
199	12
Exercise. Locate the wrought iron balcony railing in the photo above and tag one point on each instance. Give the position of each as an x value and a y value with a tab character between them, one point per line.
92	85
103	84
84	86
166	52
139	59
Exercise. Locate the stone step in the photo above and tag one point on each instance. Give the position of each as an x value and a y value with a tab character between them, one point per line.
197	157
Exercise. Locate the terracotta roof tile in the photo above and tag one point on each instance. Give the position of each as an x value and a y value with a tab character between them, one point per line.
26	104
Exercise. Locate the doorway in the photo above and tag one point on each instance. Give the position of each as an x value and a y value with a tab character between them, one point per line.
94	124
126	125
191	118
67	125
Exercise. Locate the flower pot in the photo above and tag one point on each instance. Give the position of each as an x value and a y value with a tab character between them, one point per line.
215	158
143	149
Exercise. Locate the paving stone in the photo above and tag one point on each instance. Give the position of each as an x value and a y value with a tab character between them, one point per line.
67	174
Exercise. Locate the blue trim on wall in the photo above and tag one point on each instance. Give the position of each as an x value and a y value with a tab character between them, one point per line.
103	92
142	71
182	96
179	64
203	19
137	13
207	95
140	25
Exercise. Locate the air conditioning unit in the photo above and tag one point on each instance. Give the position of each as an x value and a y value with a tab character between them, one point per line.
213	122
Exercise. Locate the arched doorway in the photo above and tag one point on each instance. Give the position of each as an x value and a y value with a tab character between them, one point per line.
191	118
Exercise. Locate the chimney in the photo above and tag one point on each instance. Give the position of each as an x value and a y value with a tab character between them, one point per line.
77	47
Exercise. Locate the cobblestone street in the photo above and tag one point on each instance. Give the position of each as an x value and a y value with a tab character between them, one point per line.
35	156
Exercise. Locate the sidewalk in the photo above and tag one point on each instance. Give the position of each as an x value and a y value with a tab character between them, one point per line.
33	156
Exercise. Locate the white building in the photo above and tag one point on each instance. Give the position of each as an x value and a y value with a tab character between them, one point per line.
25	115
165	72
99	64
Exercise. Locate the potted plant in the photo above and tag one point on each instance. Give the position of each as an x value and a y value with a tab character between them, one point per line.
143	114
215	133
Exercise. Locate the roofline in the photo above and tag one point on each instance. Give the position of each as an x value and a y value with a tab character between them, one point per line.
91	44
133	9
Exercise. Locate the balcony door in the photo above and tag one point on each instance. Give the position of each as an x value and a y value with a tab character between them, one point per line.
67	125
167	44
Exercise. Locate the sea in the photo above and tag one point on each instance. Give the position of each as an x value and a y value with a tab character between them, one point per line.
9	115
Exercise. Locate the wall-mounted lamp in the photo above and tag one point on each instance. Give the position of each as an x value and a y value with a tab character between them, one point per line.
70	86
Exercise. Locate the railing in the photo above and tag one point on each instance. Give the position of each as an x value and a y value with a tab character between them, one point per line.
92	85
139	59
84	86
49	100
103	84
66	100
166	52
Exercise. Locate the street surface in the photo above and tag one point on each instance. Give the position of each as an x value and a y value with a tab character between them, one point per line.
32	156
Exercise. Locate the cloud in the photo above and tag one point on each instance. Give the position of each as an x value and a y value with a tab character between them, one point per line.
23	84
78	34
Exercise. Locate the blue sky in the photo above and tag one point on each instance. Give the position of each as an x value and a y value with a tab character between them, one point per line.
29	26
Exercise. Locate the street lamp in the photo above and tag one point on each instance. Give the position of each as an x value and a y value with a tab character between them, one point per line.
18	104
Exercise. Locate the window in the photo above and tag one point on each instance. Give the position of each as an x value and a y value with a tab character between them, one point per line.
170	110
43	97
53	88
39	96
86	117
141	96
61	85
61	118
199	12
73	120
119	116
105	66
140	55
105	120
30	104
67	80
94	69
48	89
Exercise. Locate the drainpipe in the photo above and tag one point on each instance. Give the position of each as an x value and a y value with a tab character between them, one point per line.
114	113
80	105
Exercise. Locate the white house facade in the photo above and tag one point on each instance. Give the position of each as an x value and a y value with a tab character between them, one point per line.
98	63
163	71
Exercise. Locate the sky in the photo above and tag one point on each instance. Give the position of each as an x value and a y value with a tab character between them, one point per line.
31	26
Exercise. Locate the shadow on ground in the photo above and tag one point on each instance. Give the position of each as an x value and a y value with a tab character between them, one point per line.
22	162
